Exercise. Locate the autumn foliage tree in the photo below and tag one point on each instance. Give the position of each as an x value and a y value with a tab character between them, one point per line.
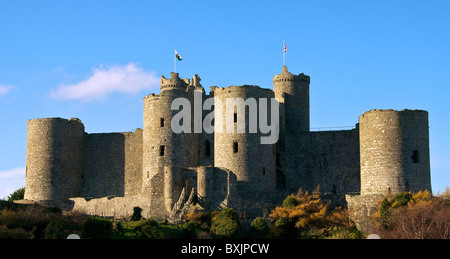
414	216
305	215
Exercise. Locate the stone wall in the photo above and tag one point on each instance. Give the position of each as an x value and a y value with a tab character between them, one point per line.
326	158
394	151
361	208
112	164
161	145
110	173
394	154
253	163
293	91
54	159
117	207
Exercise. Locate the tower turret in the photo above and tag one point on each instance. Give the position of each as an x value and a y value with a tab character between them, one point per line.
292	91
161	145
174	83
394	149
54	159
253	163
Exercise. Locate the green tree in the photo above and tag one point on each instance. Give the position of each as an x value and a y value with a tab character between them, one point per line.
305	215
97	228
17	194
149	229
259	229
226	224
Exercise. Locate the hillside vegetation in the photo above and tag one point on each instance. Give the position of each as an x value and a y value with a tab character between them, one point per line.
303	215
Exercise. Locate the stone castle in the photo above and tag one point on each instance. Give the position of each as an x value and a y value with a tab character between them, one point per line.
167	174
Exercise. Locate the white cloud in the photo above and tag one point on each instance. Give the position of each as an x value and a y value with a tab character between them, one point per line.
4	89
11	180
104	81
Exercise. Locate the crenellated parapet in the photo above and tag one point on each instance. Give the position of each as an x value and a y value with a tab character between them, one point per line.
287	76
222	160
174	83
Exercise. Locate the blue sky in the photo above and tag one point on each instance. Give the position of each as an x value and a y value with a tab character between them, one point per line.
96	60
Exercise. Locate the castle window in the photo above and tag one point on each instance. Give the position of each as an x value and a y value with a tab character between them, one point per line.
162	122
235	147
161	150
415	157
278	162
235	117
207	148
264	171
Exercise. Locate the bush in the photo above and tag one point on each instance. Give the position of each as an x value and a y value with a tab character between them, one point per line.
202	219
228	213
149	229
225	228
189	230
226	224
413	216
96	228
136	214
290	202
15	233
259	229
17	194
60	229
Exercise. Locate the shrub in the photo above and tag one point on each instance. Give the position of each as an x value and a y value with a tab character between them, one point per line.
228	213
259	228
203	219
225	228
149	229
290	202
226	224
401	199
117	226
305	215
189	230
136	214
15	233
17	195
96	228
57	229
413	216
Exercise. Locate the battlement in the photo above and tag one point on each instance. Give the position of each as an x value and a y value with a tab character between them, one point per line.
240	88
288	76
160	170
392	111
174	83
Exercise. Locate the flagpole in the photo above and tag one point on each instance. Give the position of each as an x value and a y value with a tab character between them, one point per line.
175	61
284	53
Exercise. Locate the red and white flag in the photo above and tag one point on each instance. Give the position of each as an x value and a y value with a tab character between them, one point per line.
284	47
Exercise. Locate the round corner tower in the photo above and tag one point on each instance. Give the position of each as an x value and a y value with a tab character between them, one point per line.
292	91
253	163
54	159
161	145
394	151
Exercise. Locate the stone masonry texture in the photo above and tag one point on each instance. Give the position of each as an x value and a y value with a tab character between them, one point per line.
158	170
